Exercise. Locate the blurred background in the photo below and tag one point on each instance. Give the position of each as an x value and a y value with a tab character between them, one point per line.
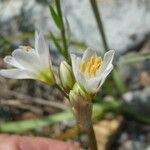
123	119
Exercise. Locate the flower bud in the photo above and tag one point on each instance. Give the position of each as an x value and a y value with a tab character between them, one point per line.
66	76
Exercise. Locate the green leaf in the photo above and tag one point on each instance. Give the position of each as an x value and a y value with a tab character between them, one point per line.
133	59
26	125
98	108
55	17
68	31
58	6
56	43
74	43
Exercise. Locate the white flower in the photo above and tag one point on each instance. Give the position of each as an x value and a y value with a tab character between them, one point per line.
30	63
91	71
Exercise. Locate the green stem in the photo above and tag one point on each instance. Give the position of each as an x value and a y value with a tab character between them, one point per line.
92	139
63	34
99	23
121	86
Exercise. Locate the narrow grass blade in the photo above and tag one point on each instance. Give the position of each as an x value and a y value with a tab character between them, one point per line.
98	108
134	59
55	17
59	48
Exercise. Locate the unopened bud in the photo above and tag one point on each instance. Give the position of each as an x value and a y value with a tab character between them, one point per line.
66	76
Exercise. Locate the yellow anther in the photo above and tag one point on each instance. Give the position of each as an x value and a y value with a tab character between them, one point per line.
88	67
92	60
93	70
83	66
91	66
97	66
98	60
28	48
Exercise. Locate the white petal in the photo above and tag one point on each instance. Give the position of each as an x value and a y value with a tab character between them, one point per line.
16	74
108	58
74	65
76	61
87	54
105	74
76	70
80	78
42	47
36	41
92	84
11	61
28	60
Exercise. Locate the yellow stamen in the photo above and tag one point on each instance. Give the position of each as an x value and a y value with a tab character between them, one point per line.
93	70
88	67
28	48
92	60
98	60
91	66
97	66
83	66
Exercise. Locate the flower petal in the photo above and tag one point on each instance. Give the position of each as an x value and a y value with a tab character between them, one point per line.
88	53
76	70
74	65
11	61
42	48
94	84
108	58
105	74
28	60
17	74
36	41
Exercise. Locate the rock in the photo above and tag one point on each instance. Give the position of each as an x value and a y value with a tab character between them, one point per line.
136	74
138	100
126	22
145	79
135	136
106	131
132	145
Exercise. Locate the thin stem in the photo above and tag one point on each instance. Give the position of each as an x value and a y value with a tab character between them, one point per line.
104	40
79	131
92	139
63	34
99	23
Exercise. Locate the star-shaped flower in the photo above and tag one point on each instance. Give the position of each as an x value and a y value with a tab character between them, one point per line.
91	71
31	63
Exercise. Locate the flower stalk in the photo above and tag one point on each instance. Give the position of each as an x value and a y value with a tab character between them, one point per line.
99	23
92	139
62	30
82	110
90	73
79	82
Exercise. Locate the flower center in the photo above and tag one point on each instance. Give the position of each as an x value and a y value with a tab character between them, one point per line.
27	48
91	66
